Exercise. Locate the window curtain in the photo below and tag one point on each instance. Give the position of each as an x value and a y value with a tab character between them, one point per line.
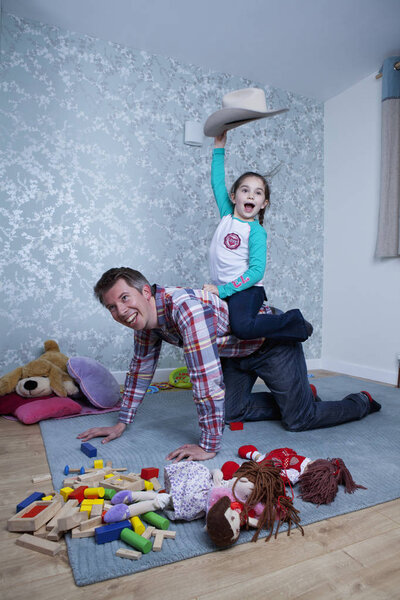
388	242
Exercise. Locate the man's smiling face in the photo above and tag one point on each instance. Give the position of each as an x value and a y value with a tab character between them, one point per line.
130	307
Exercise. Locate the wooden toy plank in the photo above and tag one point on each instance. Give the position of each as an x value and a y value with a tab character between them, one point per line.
126	553
40	545
19	523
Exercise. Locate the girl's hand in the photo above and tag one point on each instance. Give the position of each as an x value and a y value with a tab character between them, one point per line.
209	287
220	140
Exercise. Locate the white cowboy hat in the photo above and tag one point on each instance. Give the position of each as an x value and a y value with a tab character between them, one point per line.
239	107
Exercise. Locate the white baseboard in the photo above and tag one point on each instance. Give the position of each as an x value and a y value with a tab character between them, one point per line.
382	375
163	374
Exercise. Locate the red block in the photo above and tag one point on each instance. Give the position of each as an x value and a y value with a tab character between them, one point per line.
78	493
236	426
34	511
148	473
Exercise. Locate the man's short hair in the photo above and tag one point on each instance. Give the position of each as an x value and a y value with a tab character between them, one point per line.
133	278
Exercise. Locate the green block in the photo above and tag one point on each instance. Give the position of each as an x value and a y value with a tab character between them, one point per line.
155	519
135	540
108	494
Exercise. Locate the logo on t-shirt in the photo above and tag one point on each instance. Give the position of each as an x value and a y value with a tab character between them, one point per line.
232	241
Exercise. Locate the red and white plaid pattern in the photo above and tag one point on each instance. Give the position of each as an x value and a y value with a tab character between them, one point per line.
199	322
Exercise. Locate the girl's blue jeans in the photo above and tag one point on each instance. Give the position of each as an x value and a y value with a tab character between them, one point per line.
283	368
247	324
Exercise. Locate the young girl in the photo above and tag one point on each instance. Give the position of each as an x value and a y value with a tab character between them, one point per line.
238	256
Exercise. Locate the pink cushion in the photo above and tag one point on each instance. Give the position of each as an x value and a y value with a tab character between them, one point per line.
32	410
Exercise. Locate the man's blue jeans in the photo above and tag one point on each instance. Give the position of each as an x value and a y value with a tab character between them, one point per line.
283	369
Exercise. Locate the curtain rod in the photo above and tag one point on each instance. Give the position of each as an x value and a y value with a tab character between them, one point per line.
396	66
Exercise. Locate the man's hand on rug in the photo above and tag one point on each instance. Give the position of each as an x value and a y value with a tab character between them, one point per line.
190	452
109	433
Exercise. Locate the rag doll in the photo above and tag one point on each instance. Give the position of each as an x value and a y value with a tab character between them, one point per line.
318	480
254	497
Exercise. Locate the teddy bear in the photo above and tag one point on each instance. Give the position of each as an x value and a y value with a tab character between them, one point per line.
46	375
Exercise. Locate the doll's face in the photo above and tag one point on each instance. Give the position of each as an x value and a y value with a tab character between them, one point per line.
243	489
233	518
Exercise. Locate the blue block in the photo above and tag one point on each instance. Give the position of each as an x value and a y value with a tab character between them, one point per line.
111	532
88	449
32	498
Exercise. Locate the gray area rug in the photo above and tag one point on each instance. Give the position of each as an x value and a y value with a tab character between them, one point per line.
370	448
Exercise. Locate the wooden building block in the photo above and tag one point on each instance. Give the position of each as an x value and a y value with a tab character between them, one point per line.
148	532
40	545
97	510
156	484
18	522
34	497
126	553
91	523
77	533
148	473
160	535
66	510
88	449
236	426
41	478
71	521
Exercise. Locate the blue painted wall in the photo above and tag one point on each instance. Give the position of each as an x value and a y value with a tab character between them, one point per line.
94	174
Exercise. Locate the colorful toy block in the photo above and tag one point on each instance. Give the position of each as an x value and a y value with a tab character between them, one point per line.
78	493
32	498
98	464
236	426
88	449
155	519
149	472
137	525
148	485
95	492
65	492
111	532
137	541
109	493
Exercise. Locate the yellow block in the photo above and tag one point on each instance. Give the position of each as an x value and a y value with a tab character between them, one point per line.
98	464
137	525
109	475
91	501
47	498
148	485
87	508
98	491
65	492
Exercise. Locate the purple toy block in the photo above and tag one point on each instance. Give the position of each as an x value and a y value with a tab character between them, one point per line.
111	532
32	498
88	449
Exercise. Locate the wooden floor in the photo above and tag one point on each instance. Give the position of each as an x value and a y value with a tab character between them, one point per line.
352	556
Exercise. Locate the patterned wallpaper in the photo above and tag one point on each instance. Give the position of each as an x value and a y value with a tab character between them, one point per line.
94	174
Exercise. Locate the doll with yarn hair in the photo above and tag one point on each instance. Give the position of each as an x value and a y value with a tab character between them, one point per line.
318	480
266	507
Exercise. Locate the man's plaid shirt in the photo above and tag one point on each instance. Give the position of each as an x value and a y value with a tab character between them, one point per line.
198	322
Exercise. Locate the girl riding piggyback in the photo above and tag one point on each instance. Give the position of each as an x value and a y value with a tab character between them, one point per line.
238	255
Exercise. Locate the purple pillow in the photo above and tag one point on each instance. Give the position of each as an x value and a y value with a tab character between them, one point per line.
95	381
